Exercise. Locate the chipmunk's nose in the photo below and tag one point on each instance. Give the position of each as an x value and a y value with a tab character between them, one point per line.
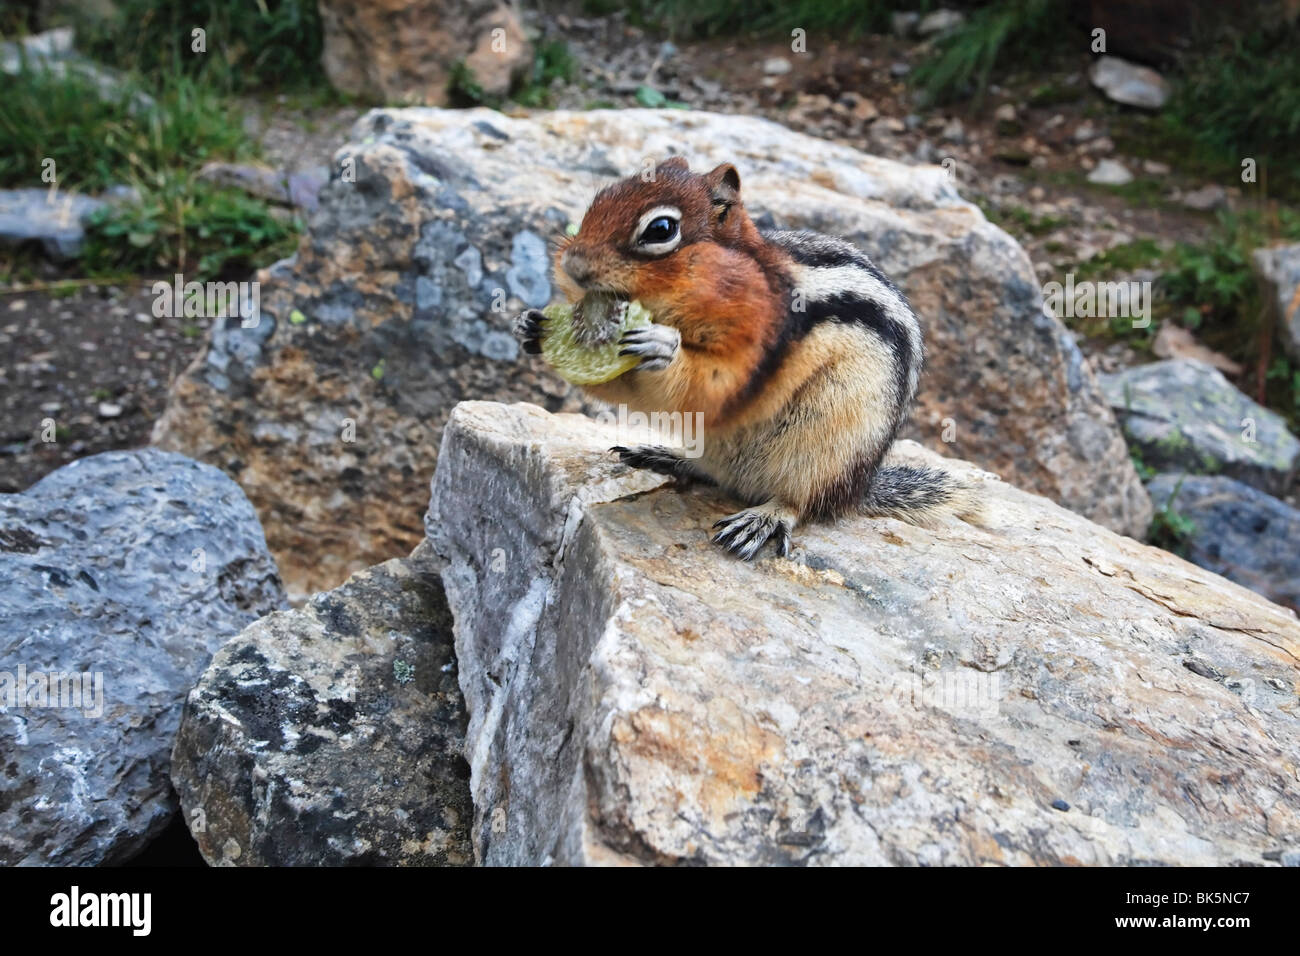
578	266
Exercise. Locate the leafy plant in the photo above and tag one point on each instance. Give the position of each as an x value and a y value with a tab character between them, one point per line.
192	227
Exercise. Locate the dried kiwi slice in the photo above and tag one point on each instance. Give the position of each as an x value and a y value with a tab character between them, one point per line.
582	342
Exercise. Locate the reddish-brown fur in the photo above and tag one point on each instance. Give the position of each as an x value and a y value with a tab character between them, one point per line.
723	289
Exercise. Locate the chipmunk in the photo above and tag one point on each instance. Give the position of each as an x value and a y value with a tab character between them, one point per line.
802	356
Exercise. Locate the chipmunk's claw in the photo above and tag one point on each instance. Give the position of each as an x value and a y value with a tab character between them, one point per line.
656	346
528	329
745	533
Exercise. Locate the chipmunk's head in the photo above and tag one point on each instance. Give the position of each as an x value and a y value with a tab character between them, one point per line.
636	229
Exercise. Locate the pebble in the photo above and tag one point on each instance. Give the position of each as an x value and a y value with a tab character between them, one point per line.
109	410
776	66
1109	172
1059	804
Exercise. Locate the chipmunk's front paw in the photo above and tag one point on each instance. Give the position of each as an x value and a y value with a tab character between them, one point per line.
528	329
656	346
745	533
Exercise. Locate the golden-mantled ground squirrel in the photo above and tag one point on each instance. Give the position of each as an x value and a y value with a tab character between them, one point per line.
801	355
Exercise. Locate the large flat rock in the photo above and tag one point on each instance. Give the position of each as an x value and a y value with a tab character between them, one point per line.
1037	691
433	233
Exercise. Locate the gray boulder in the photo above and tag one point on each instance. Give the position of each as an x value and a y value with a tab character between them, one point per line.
1237	531
120	575
1182	415
331	735
57	221
1278	272
1035	691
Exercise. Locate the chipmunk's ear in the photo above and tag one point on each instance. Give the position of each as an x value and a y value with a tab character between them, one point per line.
724	183
674	162
724	189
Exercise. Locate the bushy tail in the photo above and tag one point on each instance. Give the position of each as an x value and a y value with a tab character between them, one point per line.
918	494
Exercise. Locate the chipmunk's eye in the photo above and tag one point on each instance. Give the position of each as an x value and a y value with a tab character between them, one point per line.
659	231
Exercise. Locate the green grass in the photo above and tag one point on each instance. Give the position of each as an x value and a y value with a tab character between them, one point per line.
177	223
1240	97
250	44
1127	257
188	226
1019	32
1170	529
96	143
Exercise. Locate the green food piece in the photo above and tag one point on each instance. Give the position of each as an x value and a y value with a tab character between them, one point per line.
297	318
585	364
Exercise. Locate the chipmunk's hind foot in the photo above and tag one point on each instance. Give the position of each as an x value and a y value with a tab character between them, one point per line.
744	533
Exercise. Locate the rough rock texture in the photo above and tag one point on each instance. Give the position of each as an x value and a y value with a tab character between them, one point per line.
399	51
55	221
134	566
1278	271
1241	533
1183	415
1041	691
331	735
400	300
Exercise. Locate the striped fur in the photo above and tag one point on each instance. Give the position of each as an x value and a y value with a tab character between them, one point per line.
803	357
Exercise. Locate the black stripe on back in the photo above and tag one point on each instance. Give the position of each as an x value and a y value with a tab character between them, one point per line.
845	308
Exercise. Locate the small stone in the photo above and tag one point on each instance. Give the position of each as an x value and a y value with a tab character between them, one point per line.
903	23
1006	120
1059	804
1110	172
776	66
109	410
940	22
1128	83
1153	168
899	69
1084	132
1206	199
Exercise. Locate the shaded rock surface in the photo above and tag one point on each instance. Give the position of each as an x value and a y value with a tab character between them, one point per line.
331	735
134	566
1183	415
402	51
888	695
1239	532
1278	271
400	298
